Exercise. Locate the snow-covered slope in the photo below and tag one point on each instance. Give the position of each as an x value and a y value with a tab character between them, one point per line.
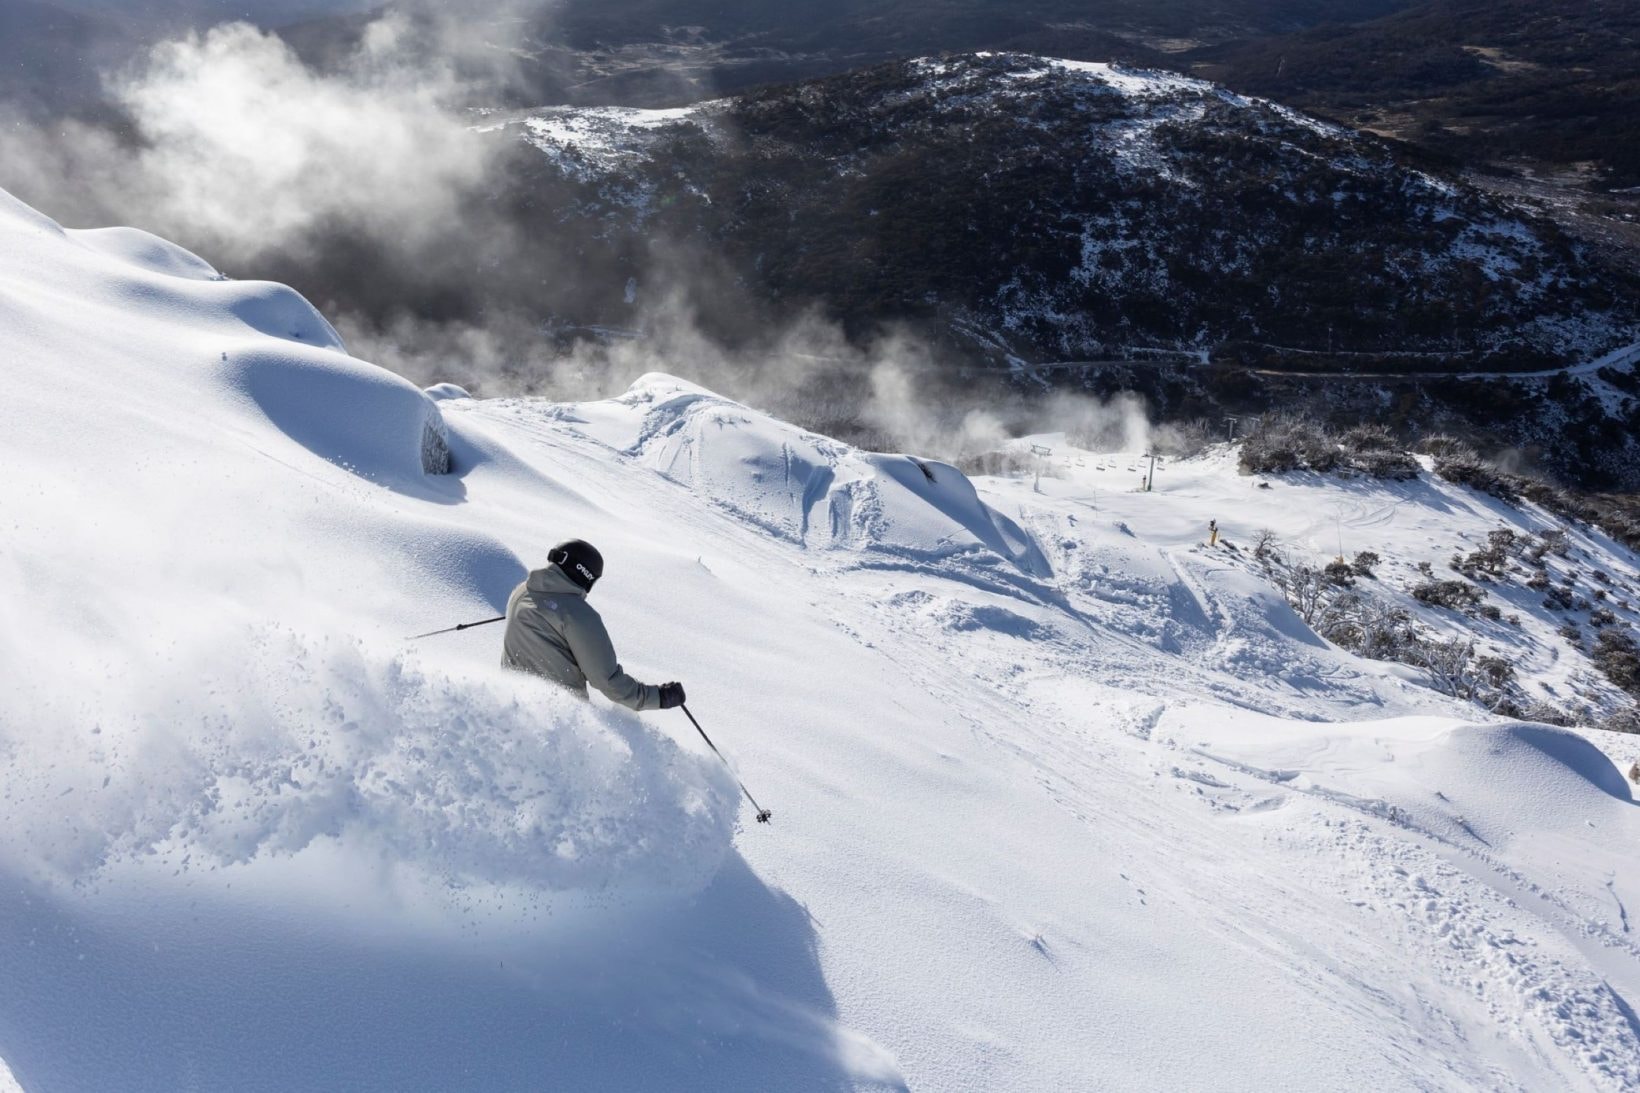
1062	798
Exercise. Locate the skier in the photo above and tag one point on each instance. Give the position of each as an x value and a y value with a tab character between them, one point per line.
553	632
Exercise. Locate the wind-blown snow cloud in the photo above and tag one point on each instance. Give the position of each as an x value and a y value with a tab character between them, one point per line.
247	143
889	392
366	180
238	148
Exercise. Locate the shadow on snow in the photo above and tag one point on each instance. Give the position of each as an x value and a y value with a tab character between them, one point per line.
722	992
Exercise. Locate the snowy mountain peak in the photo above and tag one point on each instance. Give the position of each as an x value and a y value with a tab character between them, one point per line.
1126	80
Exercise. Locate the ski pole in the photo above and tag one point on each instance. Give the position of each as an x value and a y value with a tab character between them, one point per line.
763	814
453	629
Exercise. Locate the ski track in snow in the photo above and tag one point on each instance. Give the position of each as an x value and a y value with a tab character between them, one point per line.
1057	788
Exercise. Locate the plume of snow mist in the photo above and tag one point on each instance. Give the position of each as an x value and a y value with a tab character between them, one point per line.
891	392
232	146
925	409
246	143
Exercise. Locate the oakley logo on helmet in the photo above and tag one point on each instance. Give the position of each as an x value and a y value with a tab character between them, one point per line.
579	561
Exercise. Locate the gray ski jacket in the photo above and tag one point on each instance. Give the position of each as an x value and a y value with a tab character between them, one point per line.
553	632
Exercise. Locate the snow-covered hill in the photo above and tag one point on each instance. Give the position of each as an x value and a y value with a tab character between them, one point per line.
1032	211
1063	798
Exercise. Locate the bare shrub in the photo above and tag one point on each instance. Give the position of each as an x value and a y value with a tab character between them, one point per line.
1559	599
1618	656
1546	714
1340	573
1396	466
1489	561
1616	514
1278	443
1626	719
1478	474
1372	627
1370	438
1441	444
1555	541
1454	668
1381	632
1307	592
1364	625
1454	595
1374	450
1494	672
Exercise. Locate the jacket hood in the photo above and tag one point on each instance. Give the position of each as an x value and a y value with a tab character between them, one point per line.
553	581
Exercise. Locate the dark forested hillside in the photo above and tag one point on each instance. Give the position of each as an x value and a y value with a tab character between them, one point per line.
658	52
1031	211
1477	80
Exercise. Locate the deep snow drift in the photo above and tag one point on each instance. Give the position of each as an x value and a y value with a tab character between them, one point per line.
1063	798
174	667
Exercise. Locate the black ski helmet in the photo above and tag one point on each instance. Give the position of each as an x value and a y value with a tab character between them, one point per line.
580	562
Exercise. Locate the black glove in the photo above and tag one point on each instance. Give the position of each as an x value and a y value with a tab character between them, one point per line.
671	695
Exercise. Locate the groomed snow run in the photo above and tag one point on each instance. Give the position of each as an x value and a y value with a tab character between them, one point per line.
1063	799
